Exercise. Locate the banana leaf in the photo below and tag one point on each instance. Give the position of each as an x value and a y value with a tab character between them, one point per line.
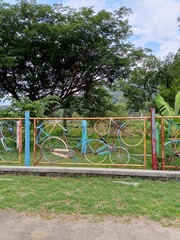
177	103
163	106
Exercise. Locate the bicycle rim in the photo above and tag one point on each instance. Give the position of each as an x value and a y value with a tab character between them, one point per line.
54	150
96	151
9	129
131	134
119	156
39	154
102	127
9	150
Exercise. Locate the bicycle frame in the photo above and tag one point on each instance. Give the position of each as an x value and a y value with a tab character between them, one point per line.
115	130
47	134
2	138
10	149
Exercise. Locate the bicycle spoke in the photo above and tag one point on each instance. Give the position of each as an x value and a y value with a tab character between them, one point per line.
9	129
9	150
131	134
102	127
54	149
96	151
119	156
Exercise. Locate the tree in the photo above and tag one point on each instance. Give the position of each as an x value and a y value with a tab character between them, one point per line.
55	50
37	108
142	84
169	77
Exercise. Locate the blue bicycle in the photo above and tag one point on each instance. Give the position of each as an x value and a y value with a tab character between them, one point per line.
56	149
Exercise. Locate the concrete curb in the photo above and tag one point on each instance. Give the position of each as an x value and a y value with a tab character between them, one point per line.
61	171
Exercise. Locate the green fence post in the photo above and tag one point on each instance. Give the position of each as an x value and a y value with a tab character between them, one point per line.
157	139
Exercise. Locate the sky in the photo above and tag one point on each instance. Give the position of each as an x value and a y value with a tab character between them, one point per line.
154	22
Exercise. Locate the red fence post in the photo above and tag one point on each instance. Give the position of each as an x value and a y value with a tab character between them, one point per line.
153	139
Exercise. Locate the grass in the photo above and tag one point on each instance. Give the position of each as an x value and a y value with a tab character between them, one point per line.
155	200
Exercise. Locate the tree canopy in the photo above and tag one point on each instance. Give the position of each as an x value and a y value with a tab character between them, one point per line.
55	50
169	77
142	84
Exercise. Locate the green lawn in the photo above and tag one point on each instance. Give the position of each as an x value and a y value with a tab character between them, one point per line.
156	200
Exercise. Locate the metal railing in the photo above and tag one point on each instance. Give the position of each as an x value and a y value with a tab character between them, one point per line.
110	142
118	142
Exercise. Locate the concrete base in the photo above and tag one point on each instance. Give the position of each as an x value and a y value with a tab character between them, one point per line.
61	171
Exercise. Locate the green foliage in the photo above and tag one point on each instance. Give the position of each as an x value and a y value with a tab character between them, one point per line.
96	101
37	108
55	50
169	77
177	104
171	125
142	84
119	110
152	76
164	107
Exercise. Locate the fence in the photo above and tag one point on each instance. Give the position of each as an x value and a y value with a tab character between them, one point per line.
136	142
90	141
168	147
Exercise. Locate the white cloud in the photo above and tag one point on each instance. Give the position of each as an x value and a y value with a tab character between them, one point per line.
153	21
98	5
156	21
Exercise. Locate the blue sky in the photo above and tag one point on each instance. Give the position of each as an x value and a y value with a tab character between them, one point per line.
154	22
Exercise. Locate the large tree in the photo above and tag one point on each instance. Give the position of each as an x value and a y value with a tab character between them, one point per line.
142	84
55	50
169	77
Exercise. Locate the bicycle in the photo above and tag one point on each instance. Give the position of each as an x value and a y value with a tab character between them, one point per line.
9	148
127	134
45	139
55	149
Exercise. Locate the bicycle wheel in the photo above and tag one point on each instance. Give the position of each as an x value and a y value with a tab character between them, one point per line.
39	154
96	151
9	150
119	156
172	153
9	129
102	127
54	149
131	133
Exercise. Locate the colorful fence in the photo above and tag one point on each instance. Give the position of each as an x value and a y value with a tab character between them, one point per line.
91	141
133	142
11	140
168	142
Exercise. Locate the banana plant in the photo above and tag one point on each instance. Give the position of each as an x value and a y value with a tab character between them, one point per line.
166	110
164	107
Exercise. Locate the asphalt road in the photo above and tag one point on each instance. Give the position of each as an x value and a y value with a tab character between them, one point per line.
22	226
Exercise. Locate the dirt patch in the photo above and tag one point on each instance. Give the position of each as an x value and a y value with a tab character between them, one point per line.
15	225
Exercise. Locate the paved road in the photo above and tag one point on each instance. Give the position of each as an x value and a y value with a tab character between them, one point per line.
21	226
